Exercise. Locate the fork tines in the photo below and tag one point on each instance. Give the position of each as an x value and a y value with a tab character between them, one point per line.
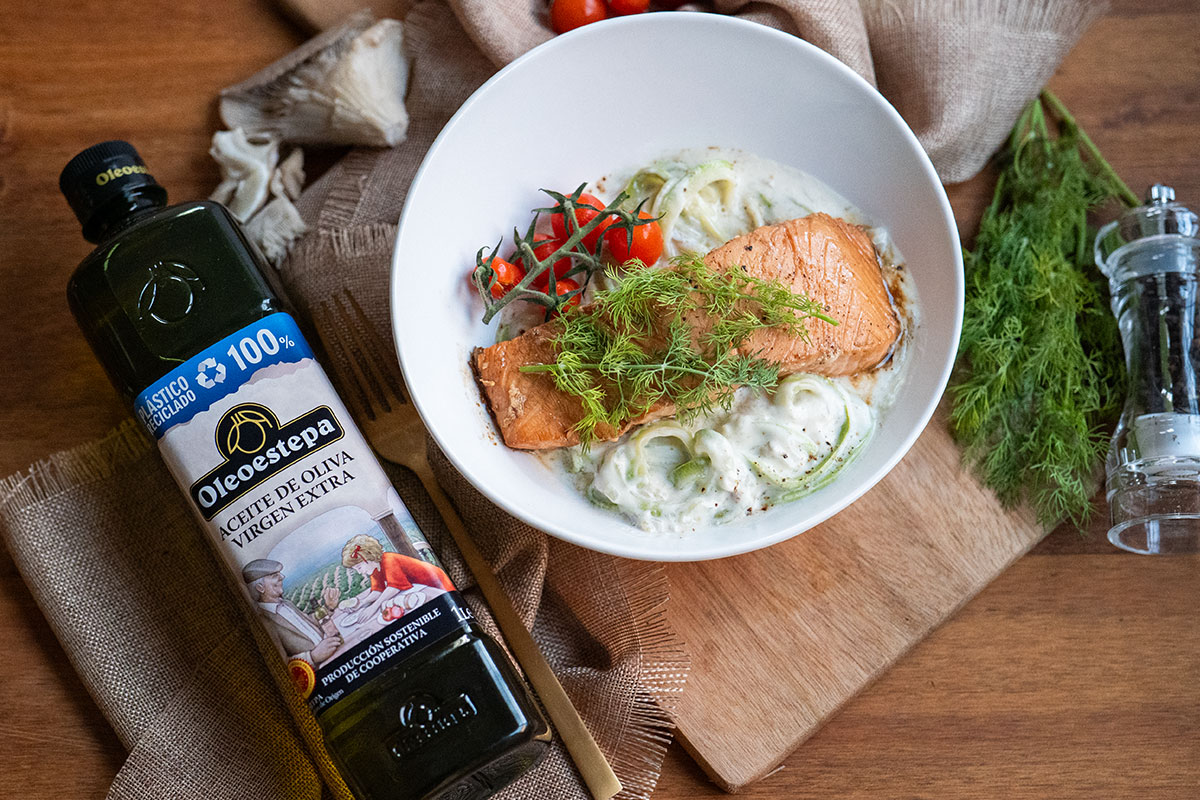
363	365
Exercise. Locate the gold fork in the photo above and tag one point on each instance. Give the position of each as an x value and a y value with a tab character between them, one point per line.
379	401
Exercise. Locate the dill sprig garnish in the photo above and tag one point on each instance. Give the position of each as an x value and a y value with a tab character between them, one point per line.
670	335
1040	376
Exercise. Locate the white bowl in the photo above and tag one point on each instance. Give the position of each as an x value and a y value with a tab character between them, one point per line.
615	95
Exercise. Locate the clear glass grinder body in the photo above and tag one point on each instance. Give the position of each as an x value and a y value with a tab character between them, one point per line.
1151	256
414	700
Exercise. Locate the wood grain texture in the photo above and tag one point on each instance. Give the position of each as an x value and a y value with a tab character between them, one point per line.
837	605
1072	676
317	15
1069	677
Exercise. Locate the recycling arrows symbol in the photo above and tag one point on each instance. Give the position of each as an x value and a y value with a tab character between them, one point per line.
218	373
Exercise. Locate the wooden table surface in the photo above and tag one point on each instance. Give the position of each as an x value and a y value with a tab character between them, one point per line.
1075	675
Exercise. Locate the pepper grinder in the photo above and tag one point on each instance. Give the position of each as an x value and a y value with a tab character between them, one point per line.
1151	257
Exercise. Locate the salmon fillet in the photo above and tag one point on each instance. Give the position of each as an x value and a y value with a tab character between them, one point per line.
821	256
834	263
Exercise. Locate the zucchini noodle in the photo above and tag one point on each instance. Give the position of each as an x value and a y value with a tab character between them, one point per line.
767	449
703	201
695	205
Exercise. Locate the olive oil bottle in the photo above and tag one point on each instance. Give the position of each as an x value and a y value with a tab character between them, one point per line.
414	699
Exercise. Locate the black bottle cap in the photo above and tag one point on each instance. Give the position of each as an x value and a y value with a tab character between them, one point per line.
102	174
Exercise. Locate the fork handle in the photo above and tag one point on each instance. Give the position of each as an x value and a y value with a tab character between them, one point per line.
593	767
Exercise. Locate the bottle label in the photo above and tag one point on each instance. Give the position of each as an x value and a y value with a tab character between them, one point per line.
299	509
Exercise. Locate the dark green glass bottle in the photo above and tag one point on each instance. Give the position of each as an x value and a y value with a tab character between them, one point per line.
414	699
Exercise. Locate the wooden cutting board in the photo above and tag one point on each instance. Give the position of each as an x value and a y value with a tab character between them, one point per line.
782	637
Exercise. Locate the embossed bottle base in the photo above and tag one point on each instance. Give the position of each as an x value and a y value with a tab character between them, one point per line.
456	700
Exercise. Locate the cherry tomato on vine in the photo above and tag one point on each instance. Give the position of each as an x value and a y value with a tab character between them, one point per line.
566	15
587	208
647	244
548	244
623	7
567	285
508	275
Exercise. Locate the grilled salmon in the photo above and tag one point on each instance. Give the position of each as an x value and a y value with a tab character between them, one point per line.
821	256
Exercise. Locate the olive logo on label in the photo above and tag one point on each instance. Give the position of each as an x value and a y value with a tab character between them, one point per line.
244	429
254	445
169	292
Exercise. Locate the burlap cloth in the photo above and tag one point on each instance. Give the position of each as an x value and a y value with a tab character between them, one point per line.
124	577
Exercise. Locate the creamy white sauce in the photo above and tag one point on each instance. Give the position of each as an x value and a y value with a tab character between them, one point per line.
666	477
707	196
768	448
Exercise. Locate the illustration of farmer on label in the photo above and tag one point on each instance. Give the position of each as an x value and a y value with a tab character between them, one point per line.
300	634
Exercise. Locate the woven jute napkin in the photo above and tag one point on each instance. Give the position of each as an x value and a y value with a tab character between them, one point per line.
140	604
958	71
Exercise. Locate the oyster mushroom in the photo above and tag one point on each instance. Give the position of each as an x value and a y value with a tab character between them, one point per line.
345	86
279	225
246	169
251	172
288	178
275	229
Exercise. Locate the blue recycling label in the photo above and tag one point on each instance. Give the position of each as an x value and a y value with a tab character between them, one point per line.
218	370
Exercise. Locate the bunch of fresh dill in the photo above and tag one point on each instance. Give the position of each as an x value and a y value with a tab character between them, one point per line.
670	335
1040	376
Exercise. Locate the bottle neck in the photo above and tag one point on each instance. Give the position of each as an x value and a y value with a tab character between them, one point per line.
123	210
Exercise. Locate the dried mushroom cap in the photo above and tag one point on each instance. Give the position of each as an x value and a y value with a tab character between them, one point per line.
276	228
246	169
288	178
345	86
251	172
